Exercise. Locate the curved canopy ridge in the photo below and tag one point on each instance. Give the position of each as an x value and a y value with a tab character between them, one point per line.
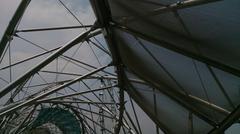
63	119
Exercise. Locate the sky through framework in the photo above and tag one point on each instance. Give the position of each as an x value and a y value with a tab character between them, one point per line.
48	15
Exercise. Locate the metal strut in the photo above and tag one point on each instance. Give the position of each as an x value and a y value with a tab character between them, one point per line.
33	100
82	37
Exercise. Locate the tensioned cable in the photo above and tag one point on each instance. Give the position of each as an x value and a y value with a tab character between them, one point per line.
104	50
30	81
74	16
10	63
155	107
197	48
74	53
64	57
100	44
95	55
199	51
135	115
131	121
30	58
159	63
194	62
201	81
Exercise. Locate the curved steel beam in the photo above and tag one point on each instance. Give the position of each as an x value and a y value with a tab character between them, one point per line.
12	25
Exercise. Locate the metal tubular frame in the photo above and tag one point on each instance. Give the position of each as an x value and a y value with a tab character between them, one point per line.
12	85
102	13
136	98
74	94
53	28
104	21
33	100
85	36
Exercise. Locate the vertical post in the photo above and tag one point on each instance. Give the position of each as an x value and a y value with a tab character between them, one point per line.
101	112
155	108
190	123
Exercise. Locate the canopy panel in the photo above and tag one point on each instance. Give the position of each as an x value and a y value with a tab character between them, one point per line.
187	52
183	84
201	28
167	113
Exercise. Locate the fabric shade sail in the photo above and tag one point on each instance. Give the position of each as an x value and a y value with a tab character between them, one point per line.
187	52
204	29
